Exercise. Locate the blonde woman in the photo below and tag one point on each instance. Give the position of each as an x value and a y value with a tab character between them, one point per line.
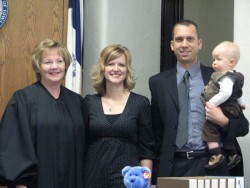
118	122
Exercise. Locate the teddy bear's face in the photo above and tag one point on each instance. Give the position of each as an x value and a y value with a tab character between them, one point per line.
136	177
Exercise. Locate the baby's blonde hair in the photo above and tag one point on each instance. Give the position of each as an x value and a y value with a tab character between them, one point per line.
232	50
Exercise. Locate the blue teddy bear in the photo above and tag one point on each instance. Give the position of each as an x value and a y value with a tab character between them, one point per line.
136	177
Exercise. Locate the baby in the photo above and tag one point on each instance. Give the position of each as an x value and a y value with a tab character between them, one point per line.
225	90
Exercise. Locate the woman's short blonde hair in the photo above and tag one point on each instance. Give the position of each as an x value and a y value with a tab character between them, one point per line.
108	54
47	45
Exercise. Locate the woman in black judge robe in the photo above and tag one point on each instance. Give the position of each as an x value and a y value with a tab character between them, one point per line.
42	128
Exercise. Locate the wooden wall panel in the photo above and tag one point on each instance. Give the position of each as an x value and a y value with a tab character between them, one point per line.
28	22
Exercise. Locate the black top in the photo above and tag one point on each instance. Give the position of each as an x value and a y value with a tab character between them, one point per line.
42	139
112	146
112	117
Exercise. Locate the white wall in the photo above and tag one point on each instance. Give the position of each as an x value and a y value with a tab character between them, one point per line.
134	24
242	38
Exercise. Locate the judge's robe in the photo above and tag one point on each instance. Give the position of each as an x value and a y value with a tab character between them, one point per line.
42	139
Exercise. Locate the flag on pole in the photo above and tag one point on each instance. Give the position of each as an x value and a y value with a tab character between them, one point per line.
73	80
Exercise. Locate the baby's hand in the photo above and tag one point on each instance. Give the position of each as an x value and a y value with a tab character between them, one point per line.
243	107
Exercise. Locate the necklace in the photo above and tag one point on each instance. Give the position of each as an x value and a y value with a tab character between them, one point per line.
110	108
114	105
108	105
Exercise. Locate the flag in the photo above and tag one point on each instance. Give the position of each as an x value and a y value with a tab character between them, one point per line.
73	80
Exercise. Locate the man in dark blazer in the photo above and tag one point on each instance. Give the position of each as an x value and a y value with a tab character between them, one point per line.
190	159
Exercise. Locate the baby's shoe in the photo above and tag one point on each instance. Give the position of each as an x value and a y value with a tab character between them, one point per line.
234	160
214	161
